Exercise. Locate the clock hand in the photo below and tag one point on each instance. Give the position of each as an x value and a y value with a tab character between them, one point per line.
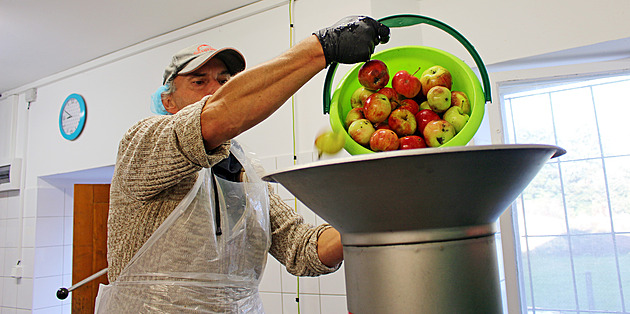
69	115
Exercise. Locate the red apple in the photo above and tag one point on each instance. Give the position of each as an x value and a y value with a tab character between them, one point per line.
435	76
382	125
439	98
353	115
402	121
359	96
384	140
361	131
392	95
377	108
410	105
374	75
425	116
406	84
411	142
459	99
438	132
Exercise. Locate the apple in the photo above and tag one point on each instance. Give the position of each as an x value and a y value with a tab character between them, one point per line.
361	131
382	125
460	99
438	132
410	105
377	108
384	140
456	116
425	105
411	142
329	142
373	75
423	117
359	96
392	95
439	98
353	115
402	121
406	84
435	76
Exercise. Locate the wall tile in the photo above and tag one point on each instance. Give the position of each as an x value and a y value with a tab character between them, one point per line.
271	280
9	292
68	202
49	231
1	284
333	304
3	205
10	260
67	259
13	204
68	227
272	302
309	215
28	262
49	310
12	233
289	282
309	285
289	306
48	261
25	293
28	232
3	232
1	267
334	283
44	292
50	202
309	304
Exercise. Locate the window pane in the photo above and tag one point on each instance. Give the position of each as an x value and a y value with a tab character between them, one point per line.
532	120
552	279
544	210
611	110
596	272
585	196
618	173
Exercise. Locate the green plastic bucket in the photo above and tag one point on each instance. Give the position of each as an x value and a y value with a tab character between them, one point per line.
410	58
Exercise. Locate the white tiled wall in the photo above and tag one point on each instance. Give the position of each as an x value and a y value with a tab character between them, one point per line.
47	256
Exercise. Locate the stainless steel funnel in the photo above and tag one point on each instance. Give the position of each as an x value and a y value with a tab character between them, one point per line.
418	226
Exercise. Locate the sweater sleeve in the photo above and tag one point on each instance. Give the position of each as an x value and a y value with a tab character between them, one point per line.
159	151
294	242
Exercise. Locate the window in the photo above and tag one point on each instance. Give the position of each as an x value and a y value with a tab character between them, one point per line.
573	220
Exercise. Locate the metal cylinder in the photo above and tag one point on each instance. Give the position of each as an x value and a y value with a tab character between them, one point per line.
455	276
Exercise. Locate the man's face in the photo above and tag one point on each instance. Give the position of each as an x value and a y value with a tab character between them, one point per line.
192	87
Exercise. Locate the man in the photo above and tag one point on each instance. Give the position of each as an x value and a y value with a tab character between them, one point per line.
185	230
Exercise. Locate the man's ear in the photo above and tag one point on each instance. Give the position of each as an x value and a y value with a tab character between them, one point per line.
169	104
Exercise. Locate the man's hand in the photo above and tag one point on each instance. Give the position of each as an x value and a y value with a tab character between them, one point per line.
352	39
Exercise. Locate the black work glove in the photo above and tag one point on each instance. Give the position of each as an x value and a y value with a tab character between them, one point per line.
352	39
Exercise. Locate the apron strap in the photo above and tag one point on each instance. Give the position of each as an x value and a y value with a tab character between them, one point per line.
217	209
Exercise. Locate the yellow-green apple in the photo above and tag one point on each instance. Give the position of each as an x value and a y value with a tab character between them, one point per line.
402	121
373	75
359	96
353	115
377	108
361	131
406	83
392	95
460	99
411	142
384	140
456	116
410	105
425	105
329	142
439	98
423	117
438	132
435	76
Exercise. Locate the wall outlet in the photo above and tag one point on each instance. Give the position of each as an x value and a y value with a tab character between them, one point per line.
16	271
31	95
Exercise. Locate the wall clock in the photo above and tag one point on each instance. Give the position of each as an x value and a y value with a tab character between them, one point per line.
72	117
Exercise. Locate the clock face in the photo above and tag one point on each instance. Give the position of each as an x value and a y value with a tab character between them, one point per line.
72	117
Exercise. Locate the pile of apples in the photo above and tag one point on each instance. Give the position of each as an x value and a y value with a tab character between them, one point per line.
412	113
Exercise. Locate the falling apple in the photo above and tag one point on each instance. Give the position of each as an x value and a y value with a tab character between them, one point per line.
373	75
329	142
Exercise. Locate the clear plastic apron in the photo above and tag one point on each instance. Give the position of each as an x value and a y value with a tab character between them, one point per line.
185	267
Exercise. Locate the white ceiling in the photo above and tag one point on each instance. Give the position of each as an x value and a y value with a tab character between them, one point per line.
39	38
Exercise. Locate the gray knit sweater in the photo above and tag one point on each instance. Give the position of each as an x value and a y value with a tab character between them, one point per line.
157	164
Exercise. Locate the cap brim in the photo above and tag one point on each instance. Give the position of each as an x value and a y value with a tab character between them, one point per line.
233	59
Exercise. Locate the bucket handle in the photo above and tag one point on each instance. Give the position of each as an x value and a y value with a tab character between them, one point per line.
403	20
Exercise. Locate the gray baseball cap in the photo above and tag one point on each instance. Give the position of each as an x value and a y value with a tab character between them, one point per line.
192	58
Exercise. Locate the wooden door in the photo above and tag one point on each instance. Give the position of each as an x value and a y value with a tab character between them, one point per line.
89	244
